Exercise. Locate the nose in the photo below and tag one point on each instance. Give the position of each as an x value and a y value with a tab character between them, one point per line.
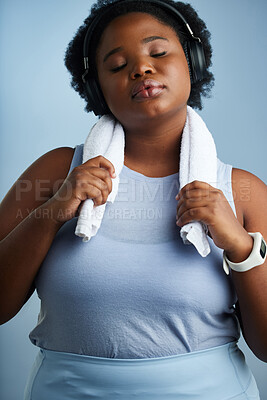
141	67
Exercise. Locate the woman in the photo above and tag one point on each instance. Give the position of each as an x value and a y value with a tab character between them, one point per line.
134	313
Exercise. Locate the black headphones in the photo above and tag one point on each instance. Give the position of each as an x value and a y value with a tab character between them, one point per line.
192	47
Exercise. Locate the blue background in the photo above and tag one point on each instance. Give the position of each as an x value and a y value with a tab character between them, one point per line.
39	111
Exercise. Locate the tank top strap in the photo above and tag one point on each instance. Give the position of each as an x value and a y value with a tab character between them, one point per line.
224	182
77	157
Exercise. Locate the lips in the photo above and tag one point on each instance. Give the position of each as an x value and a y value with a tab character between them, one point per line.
147	88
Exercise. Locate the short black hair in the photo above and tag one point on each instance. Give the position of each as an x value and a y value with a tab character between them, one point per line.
74	53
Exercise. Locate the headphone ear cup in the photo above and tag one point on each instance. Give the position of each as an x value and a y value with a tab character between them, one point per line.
95	97
188	60
196	60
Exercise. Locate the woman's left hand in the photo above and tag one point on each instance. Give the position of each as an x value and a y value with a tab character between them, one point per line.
199	201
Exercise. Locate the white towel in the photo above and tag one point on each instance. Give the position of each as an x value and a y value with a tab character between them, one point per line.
106	138
198	161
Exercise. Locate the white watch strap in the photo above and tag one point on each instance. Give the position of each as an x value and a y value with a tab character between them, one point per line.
256	257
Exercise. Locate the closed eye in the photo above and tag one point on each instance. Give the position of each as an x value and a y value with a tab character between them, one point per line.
118	68
159	54
153	55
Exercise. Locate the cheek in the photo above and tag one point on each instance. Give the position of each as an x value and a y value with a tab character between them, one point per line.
180	77
111	88
102	84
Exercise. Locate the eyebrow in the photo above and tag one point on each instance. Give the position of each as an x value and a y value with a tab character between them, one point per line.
144	41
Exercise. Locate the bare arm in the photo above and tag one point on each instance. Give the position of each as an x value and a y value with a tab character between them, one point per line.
199	201
31	217
25	235
251	286
22	253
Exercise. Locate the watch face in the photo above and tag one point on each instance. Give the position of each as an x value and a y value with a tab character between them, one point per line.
263	249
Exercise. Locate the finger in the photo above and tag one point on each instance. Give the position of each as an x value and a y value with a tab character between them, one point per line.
102	162
195	194
94	193
195	185
102	174
98	201
91	187
193	214
194	198
103	190
185	205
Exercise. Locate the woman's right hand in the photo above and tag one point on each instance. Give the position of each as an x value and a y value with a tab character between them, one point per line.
31	215
90	180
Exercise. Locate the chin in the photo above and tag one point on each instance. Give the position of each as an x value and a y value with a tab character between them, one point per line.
153	109
160	109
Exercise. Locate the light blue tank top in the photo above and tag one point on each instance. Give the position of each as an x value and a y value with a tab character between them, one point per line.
135	290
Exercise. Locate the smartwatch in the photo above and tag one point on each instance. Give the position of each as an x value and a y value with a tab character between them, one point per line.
256	257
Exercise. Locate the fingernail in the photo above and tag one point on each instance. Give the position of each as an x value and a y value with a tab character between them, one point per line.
114	175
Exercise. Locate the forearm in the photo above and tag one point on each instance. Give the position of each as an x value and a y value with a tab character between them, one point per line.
21	254
252	296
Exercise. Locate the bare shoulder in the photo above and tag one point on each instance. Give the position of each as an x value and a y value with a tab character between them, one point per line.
47	169
250	197
34	187
54	163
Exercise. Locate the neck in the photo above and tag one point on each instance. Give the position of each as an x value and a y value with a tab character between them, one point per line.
153	148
